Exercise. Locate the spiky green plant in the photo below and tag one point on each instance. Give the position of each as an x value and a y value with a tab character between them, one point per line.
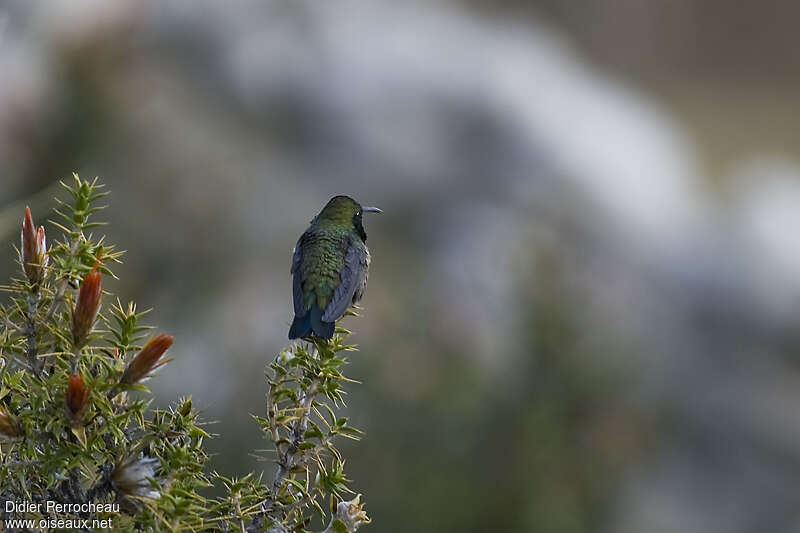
304	392
78	441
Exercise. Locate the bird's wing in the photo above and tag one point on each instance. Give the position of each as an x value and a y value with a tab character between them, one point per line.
353	275
297	283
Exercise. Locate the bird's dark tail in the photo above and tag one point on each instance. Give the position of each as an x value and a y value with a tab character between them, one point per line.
312	322
301	327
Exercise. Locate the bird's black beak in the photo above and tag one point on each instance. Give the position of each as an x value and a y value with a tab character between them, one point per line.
368	209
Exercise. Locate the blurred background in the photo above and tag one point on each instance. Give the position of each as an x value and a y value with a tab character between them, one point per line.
584	299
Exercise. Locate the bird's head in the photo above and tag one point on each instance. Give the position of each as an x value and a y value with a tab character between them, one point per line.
346	211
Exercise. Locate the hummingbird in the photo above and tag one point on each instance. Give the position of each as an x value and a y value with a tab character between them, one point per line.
329	270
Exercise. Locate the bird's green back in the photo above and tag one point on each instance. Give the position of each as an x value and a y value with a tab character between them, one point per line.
323	260
325	245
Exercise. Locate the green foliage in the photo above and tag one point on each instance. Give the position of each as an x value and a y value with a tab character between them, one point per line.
305	388
75	423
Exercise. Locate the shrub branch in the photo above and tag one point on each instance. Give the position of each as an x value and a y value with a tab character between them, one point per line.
76	425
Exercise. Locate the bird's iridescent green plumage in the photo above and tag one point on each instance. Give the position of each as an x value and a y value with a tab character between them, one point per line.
329	268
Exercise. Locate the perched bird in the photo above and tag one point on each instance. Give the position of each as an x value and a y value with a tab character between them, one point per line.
329	267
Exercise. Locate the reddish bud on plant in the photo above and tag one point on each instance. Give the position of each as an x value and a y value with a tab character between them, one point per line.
87	307
148	360
9	425
77	399
33	249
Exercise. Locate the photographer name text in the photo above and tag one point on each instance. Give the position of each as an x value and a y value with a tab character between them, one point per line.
55	508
